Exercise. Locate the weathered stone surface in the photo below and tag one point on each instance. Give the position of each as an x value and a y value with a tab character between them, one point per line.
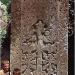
15	55
39	44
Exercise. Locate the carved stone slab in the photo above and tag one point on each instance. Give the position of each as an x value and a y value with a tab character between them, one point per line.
40	37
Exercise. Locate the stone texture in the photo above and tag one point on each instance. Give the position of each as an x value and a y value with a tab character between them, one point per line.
15	34
39	44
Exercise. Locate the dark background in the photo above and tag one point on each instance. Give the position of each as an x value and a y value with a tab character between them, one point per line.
71	39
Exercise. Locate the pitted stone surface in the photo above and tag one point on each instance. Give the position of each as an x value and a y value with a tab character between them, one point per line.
40	37
15	55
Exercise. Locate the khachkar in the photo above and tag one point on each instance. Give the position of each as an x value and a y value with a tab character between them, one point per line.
39	40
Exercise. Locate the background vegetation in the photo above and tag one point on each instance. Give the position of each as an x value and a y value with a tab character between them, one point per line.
4	4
